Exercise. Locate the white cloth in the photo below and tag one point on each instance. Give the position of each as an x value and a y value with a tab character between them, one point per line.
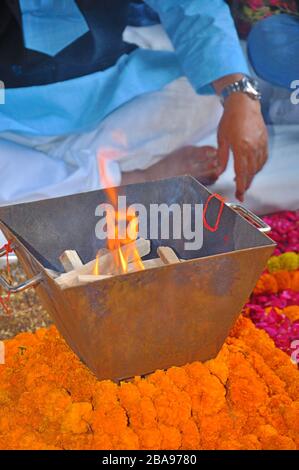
137	135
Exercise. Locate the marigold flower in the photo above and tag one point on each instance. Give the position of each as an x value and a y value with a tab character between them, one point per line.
222	404
76	417
295	281
170	437
292	312
245	398
266	284
283	279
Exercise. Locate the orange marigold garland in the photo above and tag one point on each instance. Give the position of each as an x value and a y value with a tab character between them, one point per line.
274	304
246	398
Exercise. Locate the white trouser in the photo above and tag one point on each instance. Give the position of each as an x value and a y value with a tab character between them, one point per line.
138	135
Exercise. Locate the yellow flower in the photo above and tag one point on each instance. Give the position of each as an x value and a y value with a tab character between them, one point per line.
289	261
286	261
273	264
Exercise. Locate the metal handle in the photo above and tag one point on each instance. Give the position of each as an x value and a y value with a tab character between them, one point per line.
261	225
2	252
20	287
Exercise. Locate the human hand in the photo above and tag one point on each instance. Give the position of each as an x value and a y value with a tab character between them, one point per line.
242	129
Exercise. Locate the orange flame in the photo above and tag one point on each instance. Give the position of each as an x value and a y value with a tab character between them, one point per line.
115	243
123	261
96	270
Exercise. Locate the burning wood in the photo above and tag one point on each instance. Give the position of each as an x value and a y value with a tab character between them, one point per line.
167	255
106	265
152	263
123	253
70	260
129	253
148	264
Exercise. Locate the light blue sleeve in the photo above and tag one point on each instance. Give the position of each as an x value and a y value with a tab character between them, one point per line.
204	37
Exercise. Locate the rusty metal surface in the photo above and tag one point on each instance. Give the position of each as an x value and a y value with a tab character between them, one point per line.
136	323
166	316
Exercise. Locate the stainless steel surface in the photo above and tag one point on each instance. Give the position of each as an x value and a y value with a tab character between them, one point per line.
14	289
135	323
20	287
250	216
12	259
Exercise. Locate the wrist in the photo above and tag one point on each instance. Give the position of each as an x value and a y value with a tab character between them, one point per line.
246	85
220	84
241	99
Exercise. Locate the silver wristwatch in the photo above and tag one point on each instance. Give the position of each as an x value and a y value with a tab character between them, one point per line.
246	85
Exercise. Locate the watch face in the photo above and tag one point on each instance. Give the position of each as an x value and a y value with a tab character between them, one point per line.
251	87
245	85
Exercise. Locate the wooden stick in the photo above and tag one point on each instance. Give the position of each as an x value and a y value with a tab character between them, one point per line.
70	260
167	255
64	283
148	264
141	247
87	278
152	263
106	262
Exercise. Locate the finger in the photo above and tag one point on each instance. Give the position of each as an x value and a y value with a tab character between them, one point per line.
252	159
241	171
250	178
223	152
208	176
205	160
261	160
264	156
212	159
254	150
264	151
206	165
256	162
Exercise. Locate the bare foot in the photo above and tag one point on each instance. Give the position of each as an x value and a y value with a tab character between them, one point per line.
200	162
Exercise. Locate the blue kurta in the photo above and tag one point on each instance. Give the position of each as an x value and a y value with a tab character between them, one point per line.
206	48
